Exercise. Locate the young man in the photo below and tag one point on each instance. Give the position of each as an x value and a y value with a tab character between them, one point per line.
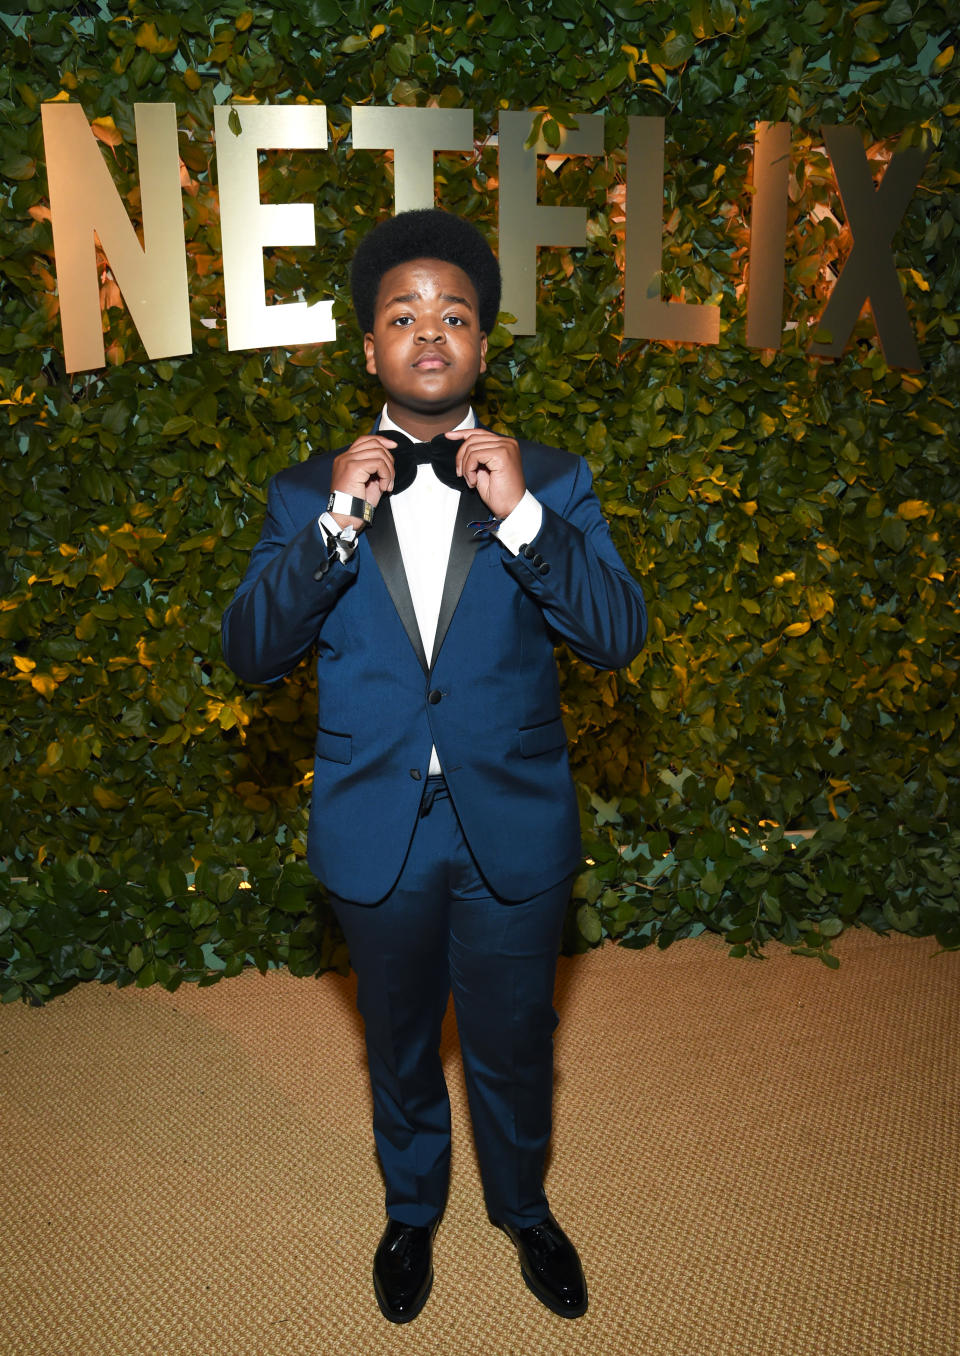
434	565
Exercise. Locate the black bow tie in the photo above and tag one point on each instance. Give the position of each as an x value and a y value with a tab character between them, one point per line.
440	453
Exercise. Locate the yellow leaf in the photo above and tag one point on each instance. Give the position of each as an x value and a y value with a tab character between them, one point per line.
19	398
24	664
105	130
797	629
44	684
244	20
913	508
191	79
108	800
750	507
941	62
150	40
377	31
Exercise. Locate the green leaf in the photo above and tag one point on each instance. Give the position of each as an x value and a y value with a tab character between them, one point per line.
701	23
398	59
588	921
894	533
321	13
724	15
18	167
181	423
744	933
677	50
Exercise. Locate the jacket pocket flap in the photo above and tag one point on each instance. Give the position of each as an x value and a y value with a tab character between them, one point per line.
336	747
541	738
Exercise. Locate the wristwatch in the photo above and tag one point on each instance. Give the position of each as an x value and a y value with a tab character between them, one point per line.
350	507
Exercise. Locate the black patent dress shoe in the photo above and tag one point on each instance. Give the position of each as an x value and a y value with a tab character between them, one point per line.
403	1269
550	1266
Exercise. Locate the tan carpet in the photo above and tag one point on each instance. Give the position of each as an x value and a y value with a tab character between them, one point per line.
754	1158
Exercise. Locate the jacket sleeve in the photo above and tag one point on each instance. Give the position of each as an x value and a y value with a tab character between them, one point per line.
583	588
288	589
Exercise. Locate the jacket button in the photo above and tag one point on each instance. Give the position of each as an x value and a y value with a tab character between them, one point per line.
528	551
415	773
435	696
544	569
320	572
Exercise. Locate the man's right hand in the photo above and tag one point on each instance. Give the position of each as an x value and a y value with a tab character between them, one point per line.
365	471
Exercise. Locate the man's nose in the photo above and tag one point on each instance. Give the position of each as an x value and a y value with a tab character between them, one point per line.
429	331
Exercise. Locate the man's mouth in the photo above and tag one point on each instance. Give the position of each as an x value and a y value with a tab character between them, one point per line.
431	360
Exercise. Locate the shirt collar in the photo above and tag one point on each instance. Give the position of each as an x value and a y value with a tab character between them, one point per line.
468	421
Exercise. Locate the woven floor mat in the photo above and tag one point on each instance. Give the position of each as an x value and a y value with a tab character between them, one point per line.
753	1158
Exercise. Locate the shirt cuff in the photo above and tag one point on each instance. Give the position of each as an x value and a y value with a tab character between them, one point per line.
521	526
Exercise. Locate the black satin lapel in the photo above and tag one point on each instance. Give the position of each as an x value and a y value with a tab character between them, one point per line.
462	550
385	545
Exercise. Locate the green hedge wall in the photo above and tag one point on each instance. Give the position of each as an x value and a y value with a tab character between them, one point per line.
782	760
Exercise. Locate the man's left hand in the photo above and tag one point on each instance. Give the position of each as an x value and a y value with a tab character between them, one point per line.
492	466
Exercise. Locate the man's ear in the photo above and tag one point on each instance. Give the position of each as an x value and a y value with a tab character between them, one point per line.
370	353
483	353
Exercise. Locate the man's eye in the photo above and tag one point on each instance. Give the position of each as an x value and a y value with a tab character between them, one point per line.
454	320
403	320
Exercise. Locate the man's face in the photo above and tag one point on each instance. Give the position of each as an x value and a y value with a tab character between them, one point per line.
426	347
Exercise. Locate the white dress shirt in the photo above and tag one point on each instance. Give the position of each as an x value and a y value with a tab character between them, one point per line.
424	515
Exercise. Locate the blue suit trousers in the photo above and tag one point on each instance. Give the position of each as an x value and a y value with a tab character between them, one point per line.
441	928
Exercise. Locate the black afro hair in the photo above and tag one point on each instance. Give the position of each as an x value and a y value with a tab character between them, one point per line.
426	233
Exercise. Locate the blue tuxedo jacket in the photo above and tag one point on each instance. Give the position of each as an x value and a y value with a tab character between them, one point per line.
487	698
